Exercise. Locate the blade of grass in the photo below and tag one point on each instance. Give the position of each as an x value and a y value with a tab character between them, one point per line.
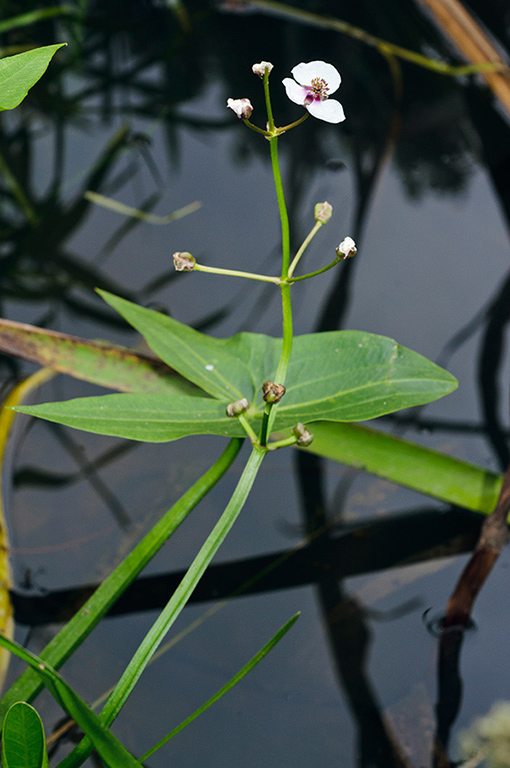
80	626
225	688
136	213
107	745
174	606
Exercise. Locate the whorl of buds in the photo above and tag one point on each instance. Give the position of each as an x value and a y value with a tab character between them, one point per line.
346	249
323	212
302	435
271	392
260	69
184	261
237	408
242	107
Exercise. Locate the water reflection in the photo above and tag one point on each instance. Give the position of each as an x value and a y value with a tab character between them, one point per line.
134	77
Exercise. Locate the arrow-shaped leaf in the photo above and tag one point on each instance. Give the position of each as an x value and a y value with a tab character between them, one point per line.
20	72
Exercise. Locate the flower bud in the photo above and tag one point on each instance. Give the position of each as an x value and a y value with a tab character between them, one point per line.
347	248
242	107
260	69
271	392
323	212
237	408
184	261
302	435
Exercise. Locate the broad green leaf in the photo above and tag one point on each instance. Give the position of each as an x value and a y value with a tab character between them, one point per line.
337	376
414	466
227	369
112	752
100	363
23	741
341	375
20	72
151	418
353	376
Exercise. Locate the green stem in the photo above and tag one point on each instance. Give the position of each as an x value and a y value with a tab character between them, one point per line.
285	128
269	109
283	365
282	443
304	246
254	127
174	606
281	372
248	429
282	208
317	272
83	622
235	273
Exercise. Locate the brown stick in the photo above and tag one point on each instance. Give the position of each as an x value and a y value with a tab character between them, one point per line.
474	43
493	537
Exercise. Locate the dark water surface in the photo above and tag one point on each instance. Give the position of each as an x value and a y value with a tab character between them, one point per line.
421	186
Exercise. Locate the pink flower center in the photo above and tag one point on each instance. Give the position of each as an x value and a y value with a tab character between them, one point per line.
319	89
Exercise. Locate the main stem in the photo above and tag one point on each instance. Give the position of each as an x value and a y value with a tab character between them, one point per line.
283	365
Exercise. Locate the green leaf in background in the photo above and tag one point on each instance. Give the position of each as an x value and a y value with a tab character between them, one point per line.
112	752
353	376
20	72
100	363
151	418
227	369
413	466
23	740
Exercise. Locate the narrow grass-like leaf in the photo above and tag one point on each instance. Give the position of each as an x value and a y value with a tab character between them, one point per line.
227	687
208	362
83	622
100	363
414	466
152	418
173	608
114	754
23	740
20	72
136	213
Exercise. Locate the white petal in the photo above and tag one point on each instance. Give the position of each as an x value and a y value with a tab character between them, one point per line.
331	111
305	73
294	91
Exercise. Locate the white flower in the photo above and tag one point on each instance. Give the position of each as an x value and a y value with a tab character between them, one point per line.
259	69
347	248
242	107
312	85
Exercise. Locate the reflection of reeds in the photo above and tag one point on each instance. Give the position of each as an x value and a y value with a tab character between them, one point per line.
474	43
487	64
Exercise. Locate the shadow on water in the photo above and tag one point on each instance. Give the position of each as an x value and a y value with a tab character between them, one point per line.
132	80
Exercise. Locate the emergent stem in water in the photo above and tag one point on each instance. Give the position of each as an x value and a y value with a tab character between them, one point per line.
174	606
